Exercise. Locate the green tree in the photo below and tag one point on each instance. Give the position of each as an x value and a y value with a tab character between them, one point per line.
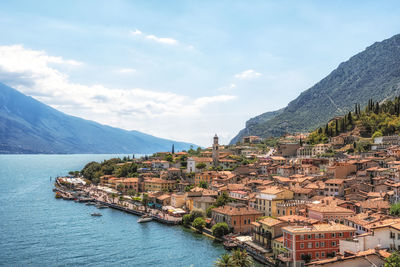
209	211
222	199
200	165
196	213
113	196
225	260
91	170
220	229
169	158
203	184
241	258
395	209
145	201
199	223
186	220
377	134
393	260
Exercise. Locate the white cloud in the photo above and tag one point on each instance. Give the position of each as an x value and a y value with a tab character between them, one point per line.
136	32
34	73
248	74
163	40
126	71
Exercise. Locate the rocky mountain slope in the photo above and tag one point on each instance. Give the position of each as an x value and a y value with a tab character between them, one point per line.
371	74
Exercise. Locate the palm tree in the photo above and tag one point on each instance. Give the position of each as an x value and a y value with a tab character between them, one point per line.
241	258
224	261
145	201
113	195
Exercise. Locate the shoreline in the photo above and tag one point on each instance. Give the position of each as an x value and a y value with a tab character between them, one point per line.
102	198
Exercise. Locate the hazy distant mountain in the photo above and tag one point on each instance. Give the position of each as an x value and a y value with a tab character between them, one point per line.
29	126
373	73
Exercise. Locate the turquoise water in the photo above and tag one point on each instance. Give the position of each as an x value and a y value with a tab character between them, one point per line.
38	230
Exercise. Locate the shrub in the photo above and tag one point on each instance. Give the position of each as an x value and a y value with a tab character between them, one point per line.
186	219
220	229
199	223
195	213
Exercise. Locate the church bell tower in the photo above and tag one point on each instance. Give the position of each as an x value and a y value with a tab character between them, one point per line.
215	151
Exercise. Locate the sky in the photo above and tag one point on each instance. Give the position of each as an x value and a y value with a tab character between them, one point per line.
182	70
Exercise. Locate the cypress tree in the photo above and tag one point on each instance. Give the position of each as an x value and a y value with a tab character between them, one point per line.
376	108
350	118
320	130
327	130
336	127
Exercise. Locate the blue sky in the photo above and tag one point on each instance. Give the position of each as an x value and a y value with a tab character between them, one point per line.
183	70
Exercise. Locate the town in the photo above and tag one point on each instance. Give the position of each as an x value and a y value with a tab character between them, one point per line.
286	202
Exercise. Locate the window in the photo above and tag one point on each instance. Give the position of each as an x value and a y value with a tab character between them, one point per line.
322	254
398	236
333	243
234	222
301	245
322	236
333	235
308	236
309	245
248	221
317	254
302	237
244	221
317	244
392	235
340	234
322	244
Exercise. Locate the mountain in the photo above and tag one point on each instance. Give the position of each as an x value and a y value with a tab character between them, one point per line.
29	126
371	74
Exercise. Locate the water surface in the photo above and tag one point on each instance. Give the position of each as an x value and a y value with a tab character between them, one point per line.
38	230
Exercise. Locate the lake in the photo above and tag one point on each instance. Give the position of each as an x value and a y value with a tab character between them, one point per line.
38	230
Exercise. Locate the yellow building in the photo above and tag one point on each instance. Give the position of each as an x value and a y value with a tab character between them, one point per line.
204	177
268	198
178	200
157	184
277	246
265	231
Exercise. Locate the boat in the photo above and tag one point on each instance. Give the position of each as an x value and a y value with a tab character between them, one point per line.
229	244
99	206
90	203
96	214
145	218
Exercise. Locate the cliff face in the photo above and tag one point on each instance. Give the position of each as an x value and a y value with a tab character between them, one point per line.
371	74
29	126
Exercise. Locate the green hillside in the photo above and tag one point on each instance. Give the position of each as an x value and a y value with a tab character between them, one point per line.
377	119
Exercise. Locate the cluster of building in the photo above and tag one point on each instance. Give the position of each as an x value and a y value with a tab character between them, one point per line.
299	205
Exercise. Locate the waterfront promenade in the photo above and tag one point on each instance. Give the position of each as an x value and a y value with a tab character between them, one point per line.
105	199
